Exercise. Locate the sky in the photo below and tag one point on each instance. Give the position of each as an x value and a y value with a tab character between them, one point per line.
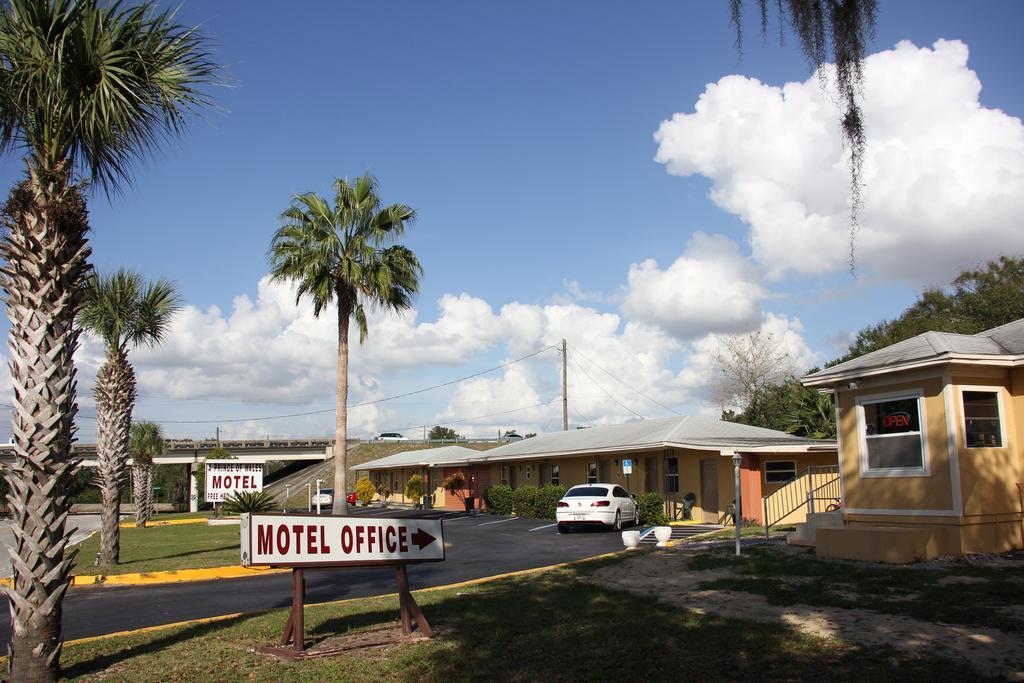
614	174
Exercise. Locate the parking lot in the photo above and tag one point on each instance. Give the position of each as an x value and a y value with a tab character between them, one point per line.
477	546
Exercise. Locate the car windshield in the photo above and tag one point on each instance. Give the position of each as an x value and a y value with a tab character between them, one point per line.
327	491
587	491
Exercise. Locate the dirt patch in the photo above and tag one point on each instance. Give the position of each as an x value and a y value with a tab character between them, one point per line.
665	576
379	641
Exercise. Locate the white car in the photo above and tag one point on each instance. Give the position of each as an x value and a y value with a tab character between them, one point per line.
607	505
324	498
390	436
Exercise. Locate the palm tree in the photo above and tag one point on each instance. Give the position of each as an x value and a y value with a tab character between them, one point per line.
124	311
338	254
147	441
85	89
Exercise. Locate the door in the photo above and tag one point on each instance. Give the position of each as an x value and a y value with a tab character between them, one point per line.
512	476
651	474
626	504
709	491
606	472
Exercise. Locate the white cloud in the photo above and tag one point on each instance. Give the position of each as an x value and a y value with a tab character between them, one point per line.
944	176
710	288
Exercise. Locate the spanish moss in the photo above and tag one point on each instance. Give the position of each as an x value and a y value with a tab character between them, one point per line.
848	25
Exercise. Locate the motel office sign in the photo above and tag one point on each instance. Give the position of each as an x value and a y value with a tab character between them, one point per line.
317	541
279	540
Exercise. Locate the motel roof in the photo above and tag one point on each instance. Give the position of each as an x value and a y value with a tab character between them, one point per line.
1003	345
424	457
686	431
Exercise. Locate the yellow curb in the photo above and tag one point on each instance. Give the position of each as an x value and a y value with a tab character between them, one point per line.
683	522
177	576
166	522
450	586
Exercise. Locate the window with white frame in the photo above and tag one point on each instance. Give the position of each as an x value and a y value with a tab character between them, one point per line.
554	475
892	433
591	472
779	471
981	419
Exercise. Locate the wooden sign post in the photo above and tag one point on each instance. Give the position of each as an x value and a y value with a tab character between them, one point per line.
299	541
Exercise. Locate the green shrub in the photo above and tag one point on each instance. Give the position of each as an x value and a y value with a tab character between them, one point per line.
248	501
652	509
524	501
414	488
547	500
365	490
498	499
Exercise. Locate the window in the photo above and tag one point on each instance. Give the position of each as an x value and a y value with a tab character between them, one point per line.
671	475
588	492
981	419
619	492
591	472
892	434
554	475
503	480
779	471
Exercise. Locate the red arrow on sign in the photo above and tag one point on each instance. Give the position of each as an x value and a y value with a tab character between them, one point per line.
422	538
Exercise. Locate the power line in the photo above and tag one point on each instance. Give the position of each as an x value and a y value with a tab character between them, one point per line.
364	403
580	368
480	417
623	382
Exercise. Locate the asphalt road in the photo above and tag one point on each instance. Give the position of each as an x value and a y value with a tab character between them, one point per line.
478	546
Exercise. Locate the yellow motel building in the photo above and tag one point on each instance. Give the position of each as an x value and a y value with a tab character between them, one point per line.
686	457
929	443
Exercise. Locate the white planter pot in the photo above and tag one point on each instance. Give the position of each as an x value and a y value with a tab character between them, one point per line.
631	539
663	534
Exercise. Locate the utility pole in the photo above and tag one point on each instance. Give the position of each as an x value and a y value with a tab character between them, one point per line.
218	437
565	390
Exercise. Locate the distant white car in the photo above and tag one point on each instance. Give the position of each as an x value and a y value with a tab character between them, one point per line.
607	505
390	436
325	497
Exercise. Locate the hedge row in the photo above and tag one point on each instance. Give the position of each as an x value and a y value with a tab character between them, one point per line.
525	501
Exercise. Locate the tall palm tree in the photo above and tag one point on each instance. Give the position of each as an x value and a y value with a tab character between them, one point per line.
147	441
124	311
339	254
85	89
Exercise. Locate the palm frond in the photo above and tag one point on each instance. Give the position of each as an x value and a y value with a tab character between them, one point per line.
97	86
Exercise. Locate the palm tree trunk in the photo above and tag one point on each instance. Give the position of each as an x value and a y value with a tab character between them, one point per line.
142	493
45	265
115	397
340	504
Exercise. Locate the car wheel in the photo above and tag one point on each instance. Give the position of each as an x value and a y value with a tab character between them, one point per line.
563	528
618	520
636	517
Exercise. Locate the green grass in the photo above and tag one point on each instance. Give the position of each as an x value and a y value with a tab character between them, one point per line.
546	627
785	578
165	548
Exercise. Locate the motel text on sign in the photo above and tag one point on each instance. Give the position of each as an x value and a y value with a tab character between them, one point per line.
225	478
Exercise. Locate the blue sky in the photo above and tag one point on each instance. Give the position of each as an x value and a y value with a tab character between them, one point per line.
523	133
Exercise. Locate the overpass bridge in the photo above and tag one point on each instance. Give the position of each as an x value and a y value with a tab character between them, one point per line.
192	452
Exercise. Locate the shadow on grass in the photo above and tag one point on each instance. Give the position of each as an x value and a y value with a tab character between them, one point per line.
108	660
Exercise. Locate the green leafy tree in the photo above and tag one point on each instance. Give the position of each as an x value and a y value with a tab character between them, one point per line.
340	255
146	441
455	484
789	407
248	501
124	311
85	89
976	300
439	433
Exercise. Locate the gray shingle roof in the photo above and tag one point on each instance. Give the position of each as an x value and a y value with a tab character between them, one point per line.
686	430
445	455
1000	341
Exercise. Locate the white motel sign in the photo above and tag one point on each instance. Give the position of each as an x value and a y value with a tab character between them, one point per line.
323	541
226	478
